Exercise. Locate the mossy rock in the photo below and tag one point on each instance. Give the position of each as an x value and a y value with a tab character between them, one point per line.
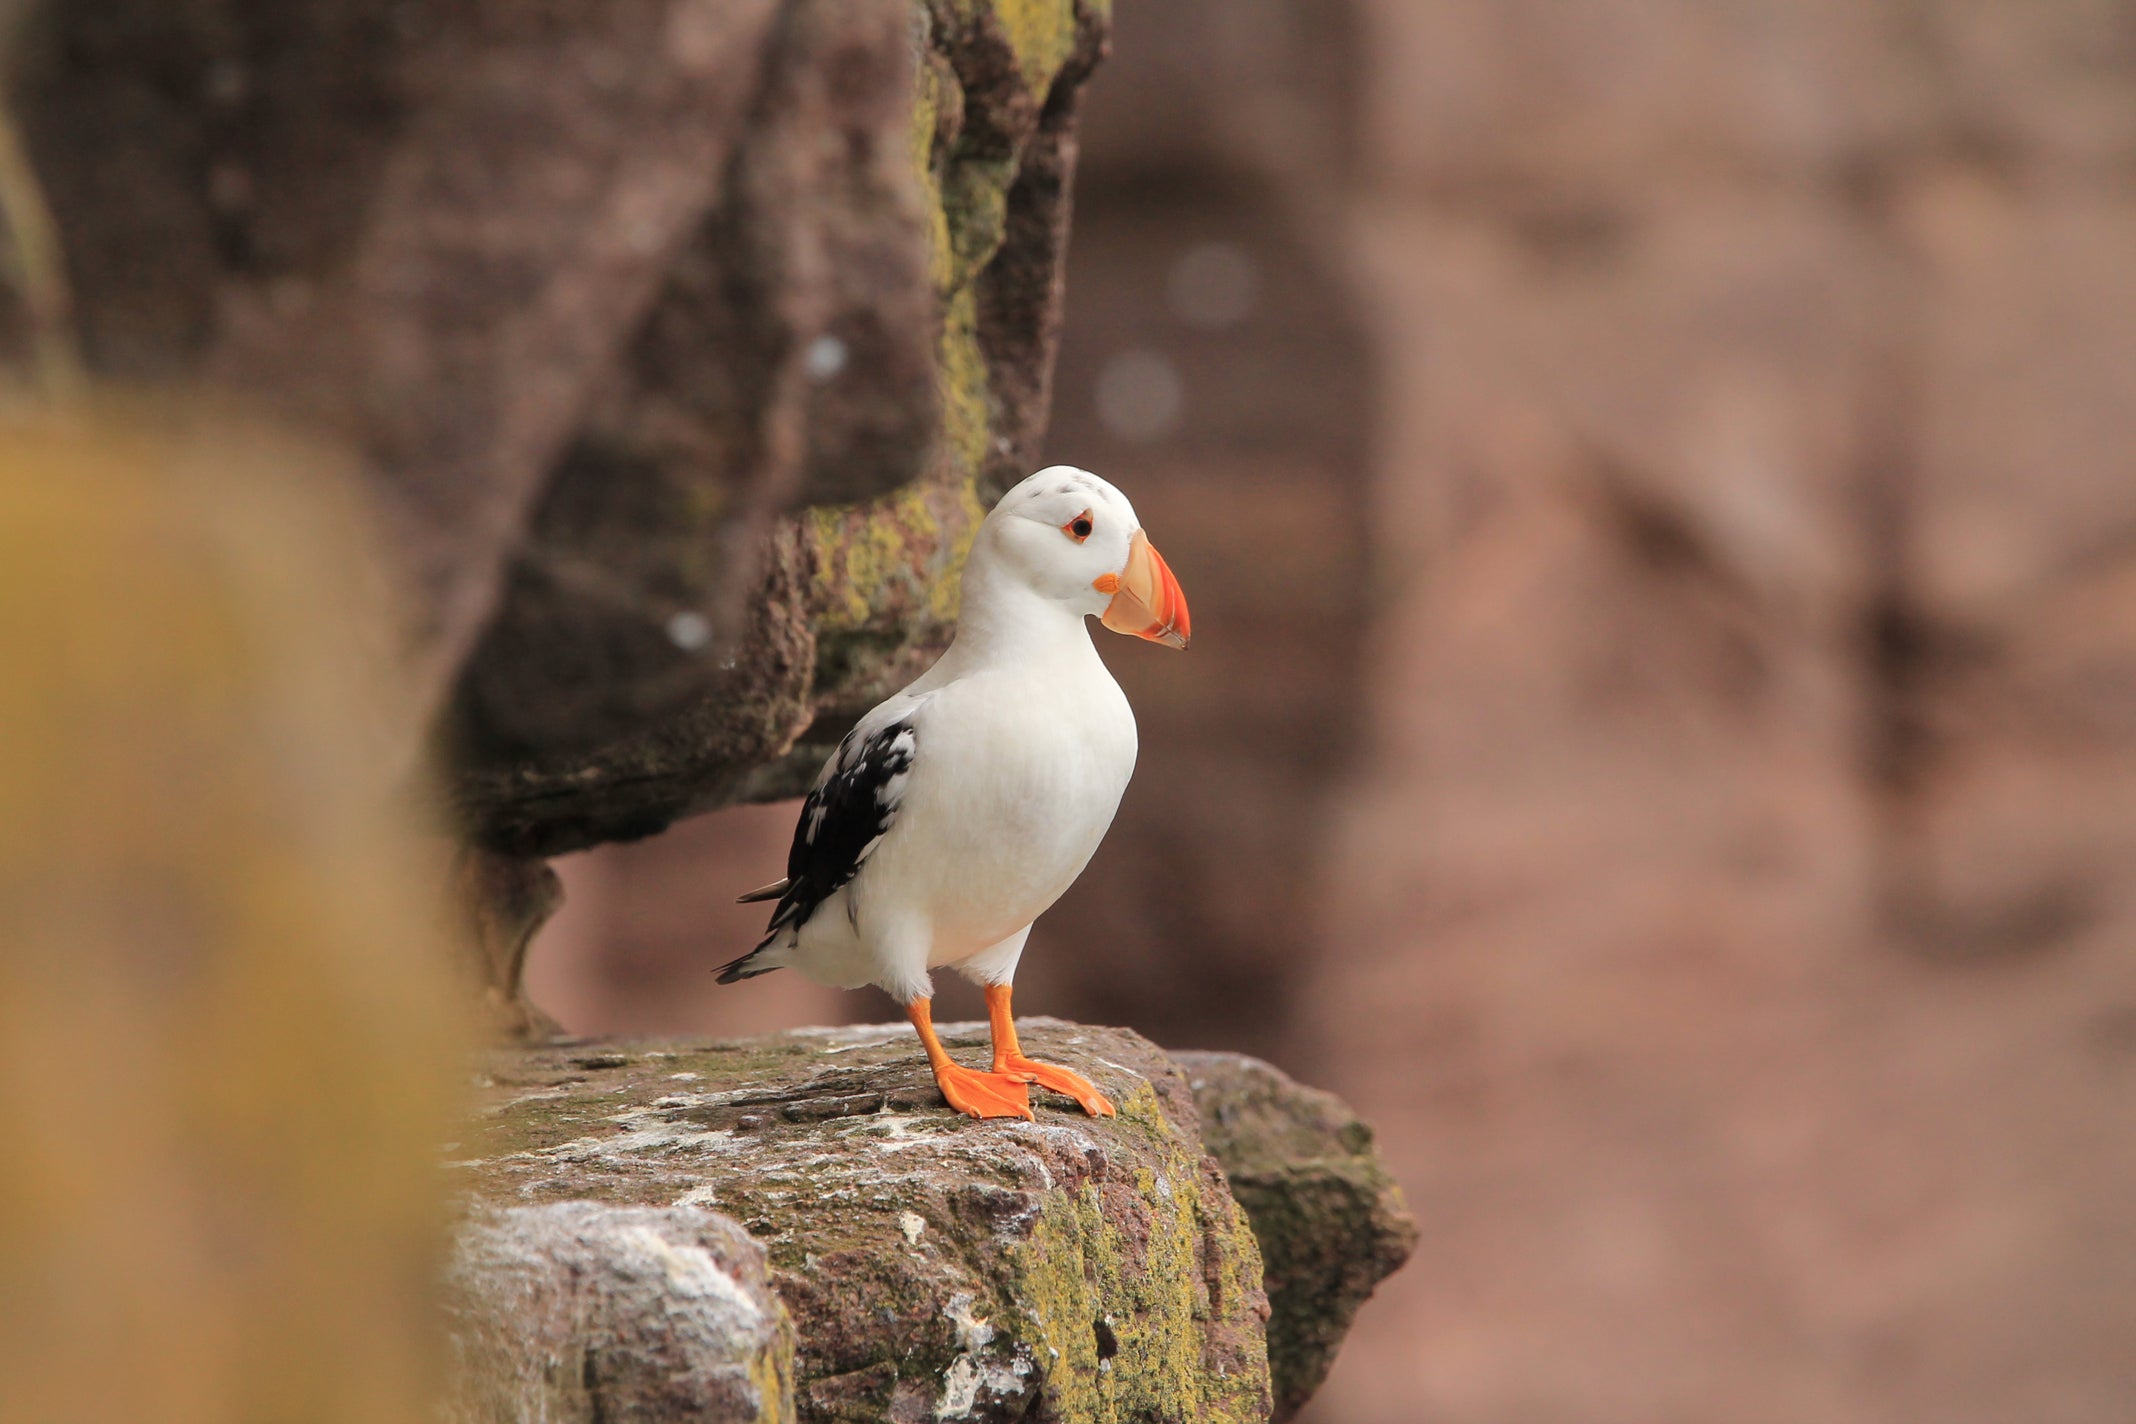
1066	1269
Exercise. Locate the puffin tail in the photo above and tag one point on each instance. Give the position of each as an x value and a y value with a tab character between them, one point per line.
736	970
783	934
761	960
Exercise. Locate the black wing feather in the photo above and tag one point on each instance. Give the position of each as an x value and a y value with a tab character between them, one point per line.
850	808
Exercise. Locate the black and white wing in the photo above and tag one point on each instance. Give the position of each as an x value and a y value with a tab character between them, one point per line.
852	806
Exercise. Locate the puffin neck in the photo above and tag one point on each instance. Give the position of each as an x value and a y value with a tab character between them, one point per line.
1004	620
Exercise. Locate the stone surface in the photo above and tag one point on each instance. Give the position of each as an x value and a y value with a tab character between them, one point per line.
1066	1269
1331	1222
583	1313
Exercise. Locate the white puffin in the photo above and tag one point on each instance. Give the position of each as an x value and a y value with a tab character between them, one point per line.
959	810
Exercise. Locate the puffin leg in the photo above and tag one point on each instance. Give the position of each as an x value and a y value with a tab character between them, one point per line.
1009	1059
967	1089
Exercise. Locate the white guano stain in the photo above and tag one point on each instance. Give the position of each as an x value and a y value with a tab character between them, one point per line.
972	1332
965	1377
960	1389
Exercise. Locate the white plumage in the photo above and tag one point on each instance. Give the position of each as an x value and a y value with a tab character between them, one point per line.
959	810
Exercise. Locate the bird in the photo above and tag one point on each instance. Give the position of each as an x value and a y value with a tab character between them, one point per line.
958	810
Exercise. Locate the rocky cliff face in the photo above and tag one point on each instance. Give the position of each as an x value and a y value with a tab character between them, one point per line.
600	295
649	1217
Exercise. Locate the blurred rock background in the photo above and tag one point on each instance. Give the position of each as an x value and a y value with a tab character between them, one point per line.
1733	931
1661	734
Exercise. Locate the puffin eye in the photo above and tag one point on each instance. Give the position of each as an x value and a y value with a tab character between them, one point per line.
1078	528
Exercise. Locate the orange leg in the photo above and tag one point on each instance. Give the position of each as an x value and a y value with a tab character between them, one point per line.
1009	1059
967	1089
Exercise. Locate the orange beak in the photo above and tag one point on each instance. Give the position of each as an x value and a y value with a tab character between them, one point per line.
1147	601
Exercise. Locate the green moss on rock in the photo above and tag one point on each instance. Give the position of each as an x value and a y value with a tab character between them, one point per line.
1126	1290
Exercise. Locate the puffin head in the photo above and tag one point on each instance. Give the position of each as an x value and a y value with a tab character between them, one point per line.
1071	537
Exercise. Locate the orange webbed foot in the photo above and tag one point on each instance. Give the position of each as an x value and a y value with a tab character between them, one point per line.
1060	1080
983	1095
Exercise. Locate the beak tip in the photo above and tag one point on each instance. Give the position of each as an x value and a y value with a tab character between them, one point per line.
1147	600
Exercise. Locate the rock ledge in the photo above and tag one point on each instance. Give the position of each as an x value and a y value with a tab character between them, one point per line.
794	1226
